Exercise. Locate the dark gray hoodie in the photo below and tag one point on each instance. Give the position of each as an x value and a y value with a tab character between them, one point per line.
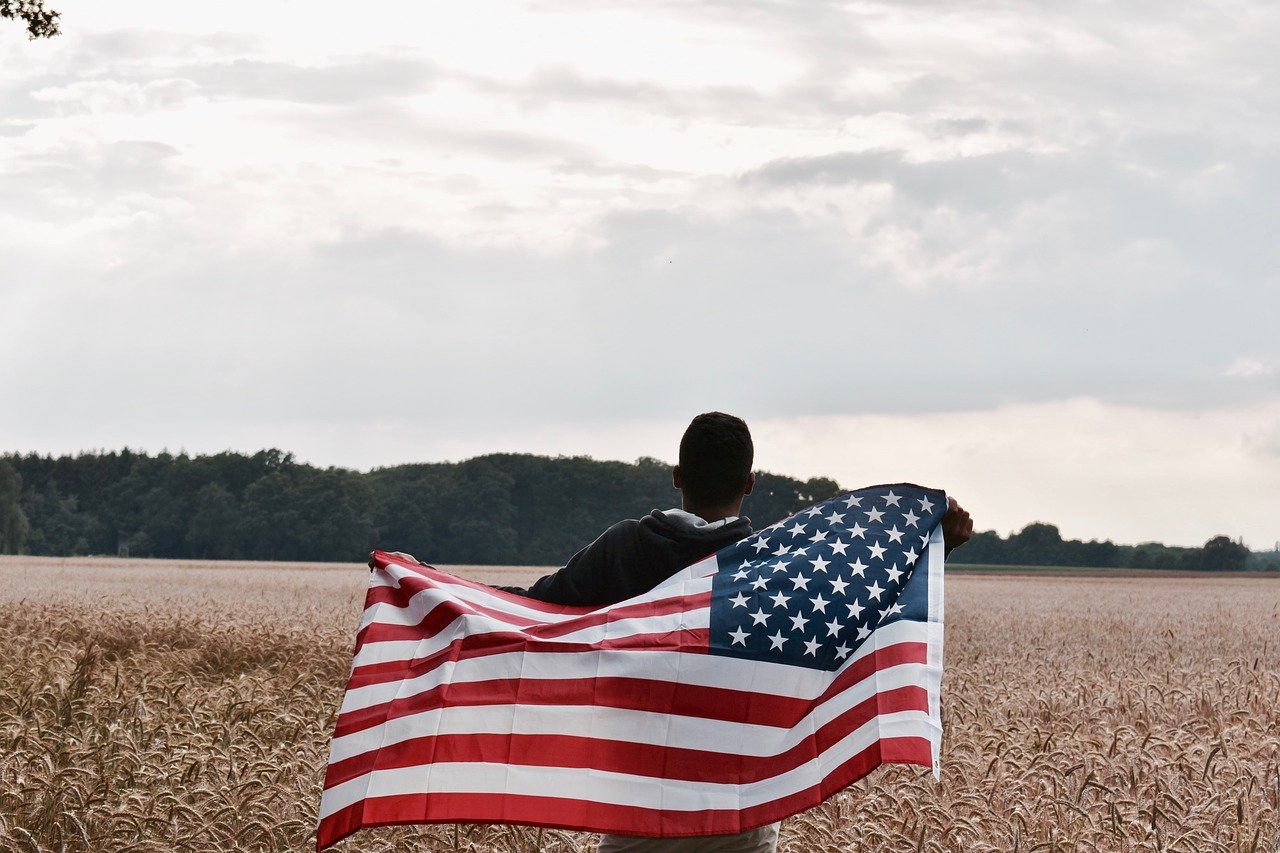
633	556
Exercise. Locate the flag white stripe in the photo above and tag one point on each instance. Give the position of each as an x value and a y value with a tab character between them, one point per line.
617	788
605	723
423	602
724	672
936	558
475	625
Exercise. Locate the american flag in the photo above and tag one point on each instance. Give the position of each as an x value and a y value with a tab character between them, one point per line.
744	689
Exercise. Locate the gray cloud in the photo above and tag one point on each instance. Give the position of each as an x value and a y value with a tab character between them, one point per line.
787	316
69	184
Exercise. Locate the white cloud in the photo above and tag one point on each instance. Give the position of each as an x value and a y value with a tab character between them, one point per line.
1245	367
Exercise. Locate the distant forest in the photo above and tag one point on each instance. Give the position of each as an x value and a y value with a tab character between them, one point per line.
514	509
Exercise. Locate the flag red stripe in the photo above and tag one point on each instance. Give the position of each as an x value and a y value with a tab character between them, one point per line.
604	817
409	587
445	613
640	759
425	576
639	694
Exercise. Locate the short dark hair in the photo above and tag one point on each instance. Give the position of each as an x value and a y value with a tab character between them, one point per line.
715	458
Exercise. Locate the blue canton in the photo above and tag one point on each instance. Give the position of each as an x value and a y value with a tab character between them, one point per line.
808	590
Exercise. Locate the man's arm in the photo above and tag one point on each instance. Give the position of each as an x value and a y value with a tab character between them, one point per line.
957	526
590	576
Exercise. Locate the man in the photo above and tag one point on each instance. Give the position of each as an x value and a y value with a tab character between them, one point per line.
713	476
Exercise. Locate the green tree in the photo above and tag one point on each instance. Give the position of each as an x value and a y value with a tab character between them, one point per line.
214	532
58	527
407	507
41	22
1037	544
1223	555
985	548
481	525
13	521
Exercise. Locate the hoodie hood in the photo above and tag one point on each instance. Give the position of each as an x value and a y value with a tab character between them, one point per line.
685	528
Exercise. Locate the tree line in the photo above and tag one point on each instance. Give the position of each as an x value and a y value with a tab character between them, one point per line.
505	508
499	509
1041	544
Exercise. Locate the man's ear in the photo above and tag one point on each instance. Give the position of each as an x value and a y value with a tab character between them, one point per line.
751	483
675	477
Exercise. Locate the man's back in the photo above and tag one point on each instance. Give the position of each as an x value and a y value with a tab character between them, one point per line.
634	556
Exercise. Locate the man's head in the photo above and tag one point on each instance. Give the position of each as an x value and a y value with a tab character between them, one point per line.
715	463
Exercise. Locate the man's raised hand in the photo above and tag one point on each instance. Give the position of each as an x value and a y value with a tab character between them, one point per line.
957	526
408	558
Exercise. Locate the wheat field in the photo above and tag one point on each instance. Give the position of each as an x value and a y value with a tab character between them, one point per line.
162	705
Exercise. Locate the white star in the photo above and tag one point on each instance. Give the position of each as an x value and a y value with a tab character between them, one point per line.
782	549
837	586
811	647
874	591
858	567
894	574
800	552
818	536
740	575
891	499
892	611
759	583
926	504
912	556
797	529
835	517
924	540
864	632
760	544
877	551
856	531
739	600
855	610
798	622
912	518
759	617
813	510
739	637
875	515
851	501
778	599
833	628
819	564
894	534
838	546
776	641
819	603
842	651
800	581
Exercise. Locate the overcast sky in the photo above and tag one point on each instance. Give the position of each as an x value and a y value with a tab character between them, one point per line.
1028	252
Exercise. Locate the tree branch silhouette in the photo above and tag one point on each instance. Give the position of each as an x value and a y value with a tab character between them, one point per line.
41	22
